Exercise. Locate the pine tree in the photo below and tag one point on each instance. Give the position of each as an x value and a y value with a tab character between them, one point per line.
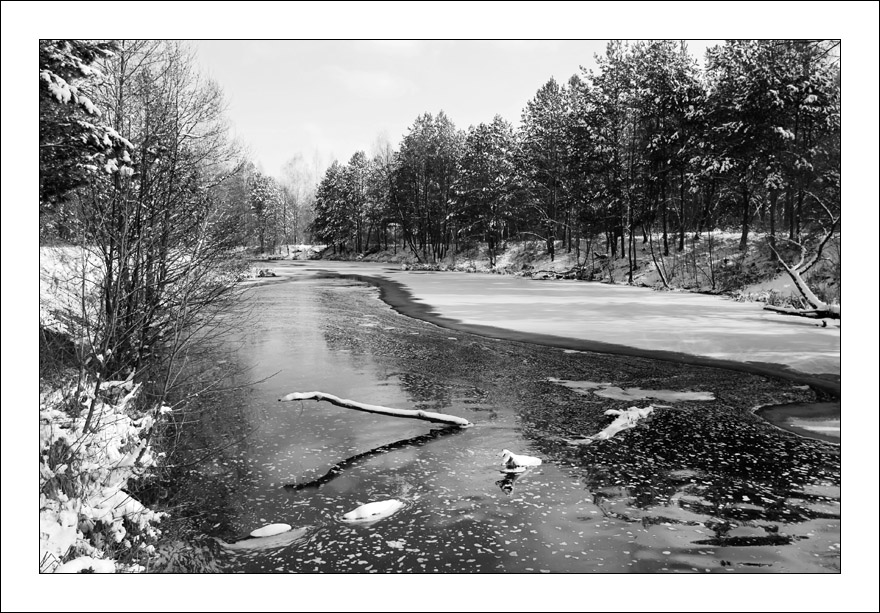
74	142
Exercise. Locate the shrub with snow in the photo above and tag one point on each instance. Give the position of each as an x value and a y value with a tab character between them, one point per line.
86	516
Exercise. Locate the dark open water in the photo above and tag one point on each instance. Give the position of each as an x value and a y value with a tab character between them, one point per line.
730	504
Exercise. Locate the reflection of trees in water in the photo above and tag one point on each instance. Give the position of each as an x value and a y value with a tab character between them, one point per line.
446	539
707	463
441	371
337	325
355	460
205	442
429	392
434	394
507	482
198	506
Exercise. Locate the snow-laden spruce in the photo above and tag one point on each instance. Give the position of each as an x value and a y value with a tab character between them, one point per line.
85	495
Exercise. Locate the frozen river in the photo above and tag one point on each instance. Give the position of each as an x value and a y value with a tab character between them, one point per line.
694	324
703	485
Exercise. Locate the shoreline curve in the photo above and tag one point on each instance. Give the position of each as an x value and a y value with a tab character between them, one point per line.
398	297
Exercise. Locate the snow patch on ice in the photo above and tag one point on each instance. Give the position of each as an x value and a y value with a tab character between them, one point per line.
606	390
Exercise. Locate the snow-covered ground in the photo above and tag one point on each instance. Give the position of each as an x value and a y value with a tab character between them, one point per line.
88	522
695	324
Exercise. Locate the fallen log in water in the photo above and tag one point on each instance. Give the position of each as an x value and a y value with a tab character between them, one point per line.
625	420
338	468
438	418
829	311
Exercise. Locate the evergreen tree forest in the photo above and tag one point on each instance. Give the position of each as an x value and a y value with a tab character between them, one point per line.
647	146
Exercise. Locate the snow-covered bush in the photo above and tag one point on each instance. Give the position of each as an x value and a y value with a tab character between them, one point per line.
86	516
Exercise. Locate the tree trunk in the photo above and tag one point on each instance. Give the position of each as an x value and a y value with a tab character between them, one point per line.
632	255
611	242
663	207
744	239
681	216
819	309
774	196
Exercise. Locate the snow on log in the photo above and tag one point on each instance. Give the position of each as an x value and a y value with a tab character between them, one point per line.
439	418
373	511
830	311
818	308
514	463
625	420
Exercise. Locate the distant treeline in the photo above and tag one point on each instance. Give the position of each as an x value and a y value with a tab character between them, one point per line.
647	144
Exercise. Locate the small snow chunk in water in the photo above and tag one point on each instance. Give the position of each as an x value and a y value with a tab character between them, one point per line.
271	530
517	463
373	511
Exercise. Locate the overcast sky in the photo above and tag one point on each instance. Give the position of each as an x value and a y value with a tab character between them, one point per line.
336	97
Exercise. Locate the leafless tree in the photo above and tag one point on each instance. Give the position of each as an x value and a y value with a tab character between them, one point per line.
158	265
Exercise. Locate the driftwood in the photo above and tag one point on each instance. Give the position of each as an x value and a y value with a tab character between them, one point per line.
575	272
832	311
437	418
818	308
625	420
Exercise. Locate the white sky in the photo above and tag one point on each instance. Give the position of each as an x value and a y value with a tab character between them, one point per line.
336	97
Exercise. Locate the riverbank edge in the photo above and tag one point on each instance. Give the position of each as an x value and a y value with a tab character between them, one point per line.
823	413
745	276
398	297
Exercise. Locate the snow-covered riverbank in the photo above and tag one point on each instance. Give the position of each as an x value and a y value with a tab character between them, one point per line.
93	437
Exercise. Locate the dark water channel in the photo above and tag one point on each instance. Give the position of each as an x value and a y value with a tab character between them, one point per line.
681	493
